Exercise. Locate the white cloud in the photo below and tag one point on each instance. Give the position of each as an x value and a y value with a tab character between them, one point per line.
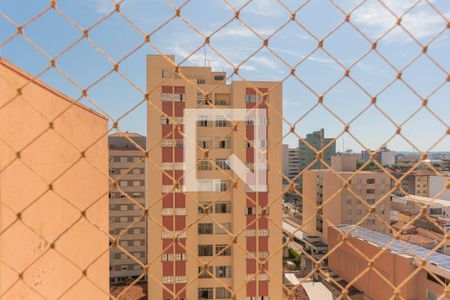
243	32
267	8
422	22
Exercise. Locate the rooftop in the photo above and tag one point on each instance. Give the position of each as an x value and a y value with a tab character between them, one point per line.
421	199
440	262
126	134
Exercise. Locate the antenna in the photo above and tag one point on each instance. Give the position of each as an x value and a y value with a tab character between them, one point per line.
204	55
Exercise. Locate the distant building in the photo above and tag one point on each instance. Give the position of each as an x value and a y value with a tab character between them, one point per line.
384	156
412	204
439	186
53	189
393	263
127	162
315	140
290	162
416	183
341	206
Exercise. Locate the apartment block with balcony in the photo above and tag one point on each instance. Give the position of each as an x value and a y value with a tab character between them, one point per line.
127	166
53	194
340	205
206	223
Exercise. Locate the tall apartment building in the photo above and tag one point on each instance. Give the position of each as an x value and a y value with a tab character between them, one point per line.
126	163
291	161
229	221
46	184
318	141
341	206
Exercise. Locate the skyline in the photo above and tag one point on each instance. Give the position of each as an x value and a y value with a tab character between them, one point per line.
319	71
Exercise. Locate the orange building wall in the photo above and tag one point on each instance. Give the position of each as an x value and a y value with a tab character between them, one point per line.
50	218
348	263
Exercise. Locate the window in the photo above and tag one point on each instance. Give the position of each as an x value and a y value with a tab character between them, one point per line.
200	81
219	77
223	207
250	210
222	293
203	99
205	250
204	122
250	98
170	256
167	279
203	207
202	273
223	271
166	97
204	143
205	293
370	201
264	232
222	122
204	165
223	186
205	228
165	73
223	250
370	181
221	102
222	164
223	228
249	121
224	143
370	191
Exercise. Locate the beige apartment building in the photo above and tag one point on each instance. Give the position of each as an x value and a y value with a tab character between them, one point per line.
126	218
223	236
53	193
394	263
417	183
342	206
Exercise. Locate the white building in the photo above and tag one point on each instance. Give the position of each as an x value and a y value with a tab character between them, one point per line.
413	203
437	186
291	161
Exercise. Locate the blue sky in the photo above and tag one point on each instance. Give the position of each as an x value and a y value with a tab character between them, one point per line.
294	43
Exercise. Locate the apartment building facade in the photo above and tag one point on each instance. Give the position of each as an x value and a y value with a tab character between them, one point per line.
317	141
126	203
416	183
327	201
211	244
53	194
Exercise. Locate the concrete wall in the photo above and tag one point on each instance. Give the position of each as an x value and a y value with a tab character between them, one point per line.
49	218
